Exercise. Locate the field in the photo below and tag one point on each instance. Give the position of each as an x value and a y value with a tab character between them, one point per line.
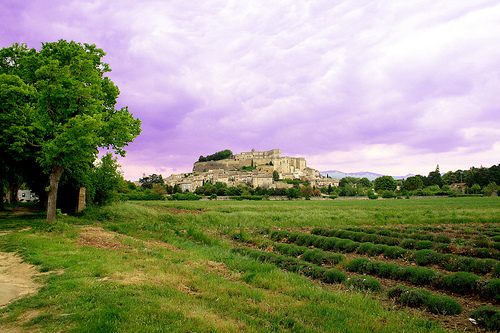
418	265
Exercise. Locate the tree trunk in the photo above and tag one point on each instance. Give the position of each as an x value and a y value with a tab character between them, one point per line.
54	177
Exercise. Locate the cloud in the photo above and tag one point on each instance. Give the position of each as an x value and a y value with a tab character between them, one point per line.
384	85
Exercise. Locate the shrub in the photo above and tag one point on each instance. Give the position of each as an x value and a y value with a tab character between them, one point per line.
408	243
443	305
425	244
427	257
351	247
364	283
418	275
358	265
414	297
496	270
315	256
369	237
495	245
482	252
461	282
491	290
487	317
292	237
377	249
305	239
334	259
290	249
364	248
333	276
443	239
387	270
395	252
483	266
278	235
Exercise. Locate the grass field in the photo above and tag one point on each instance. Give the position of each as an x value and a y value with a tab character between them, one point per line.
163	266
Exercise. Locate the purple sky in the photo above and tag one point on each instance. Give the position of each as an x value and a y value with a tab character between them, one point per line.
393	87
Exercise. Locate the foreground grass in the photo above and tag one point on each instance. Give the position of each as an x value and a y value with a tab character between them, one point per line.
163	270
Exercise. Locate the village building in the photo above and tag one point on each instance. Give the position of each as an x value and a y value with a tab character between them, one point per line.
233	171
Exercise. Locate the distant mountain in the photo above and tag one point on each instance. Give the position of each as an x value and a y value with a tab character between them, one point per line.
361	174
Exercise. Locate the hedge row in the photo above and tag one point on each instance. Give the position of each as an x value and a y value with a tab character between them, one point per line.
438	304
329	276
461	282
481	249
449	262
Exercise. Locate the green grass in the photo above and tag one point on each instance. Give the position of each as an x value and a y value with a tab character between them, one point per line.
176	272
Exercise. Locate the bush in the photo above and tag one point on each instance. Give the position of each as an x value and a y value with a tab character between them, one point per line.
443	305
334	259
364	248
408	243
427	257
333	276
461	282
305	239
483	266
418	275
278	235
290	249
395	252
491	290
487	317
315	256
496	270
358	265
364	283
425	244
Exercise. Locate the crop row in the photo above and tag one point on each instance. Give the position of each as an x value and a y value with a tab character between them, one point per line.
449	262
418	297
461	282
480	248
434	303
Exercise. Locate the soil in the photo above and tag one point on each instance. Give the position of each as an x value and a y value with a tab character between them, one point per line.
16	278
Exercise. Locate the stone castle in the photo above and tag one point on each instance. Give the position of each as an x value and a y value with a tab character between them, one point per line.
232	171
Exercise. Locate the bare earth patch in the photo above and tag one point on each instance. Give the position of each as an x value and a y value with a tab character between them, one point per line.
15	279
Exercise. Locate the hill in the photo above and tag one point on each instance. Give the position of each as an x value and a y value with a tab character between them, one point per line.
361	174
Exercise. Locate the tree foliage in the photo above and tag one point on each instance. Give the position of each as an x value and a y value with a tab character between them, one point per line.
147	182
384	183
220	155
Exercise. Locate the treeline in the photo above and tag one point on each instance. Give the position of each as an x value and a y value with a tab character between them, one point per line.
220	155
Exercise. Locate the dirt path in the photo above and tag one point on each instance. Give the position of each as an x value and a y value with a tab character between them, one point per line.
15	278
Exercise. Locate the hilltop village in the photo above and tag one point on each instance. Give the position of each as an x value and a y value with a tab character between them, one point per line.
255	168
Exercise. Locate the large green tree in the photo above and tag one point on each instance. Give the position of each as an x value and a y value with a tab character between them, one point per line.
72	110
384	183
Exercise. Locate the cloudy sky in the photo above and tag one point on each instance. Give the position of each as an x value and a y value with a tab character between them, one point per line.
392	87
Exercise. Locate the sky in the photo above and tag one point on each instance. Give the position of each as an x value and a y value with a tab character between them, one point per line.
392	87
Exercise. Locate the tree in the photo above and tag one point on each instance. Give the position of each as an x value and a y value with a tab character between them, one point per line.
434	178
147	182
364	182
413	183
106	178
72	112
384	183
276	175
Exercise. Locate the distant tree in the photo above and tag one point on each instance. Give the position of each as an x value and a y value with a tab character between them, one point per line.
220	155
148	181
475	188
306	191
293	193
347	180
384	183
413	183
276	175
364	182
434	178
488	189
